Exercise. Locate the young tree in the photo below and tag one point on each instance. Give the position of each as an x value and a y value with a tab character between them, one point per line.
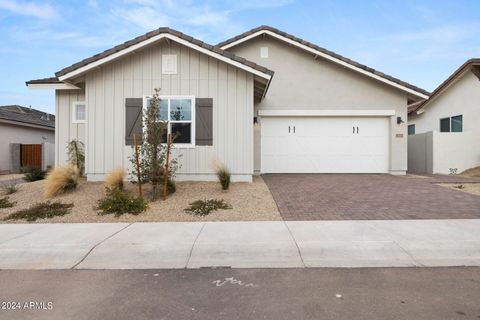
152	148
152	151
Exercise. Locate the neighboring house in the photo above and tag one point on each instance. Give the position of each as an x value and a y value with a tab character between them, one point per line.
261	102
444	131
27	138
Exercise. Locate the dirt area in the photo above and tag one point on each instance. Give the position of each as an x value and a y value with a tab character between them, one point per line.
473	188
250	201
471	173
13	176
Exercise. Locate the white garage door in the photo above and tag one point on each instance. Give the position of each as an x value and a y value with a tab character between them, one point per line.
324	145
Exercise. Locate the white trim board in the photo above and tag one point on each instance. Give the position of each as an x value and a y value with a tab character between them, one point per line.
325	56
156	38
55	86
327	113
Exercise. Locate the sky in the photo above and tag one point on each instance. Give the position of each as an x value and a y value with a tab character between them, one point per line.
421	42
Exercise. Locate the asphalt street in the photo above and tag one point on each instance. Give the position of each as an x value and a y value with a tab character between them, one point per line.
365	293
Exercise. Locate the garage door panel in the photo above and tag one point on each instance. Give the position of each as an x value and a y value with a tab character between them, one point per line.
325	145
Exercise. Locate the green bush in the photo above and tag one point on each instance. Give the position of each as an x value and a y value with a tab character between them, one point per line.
41	210
6	203
120	202
33	174
10	188
224	177
171	187
204	207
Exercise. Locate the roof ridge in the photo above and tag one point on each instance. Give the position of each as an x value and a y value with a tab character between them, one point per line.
156	32
470	62
326	51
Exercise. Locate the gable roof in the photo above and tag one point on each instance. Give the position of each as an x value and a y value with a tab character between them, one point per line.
329	55
156	35
472	64
27	116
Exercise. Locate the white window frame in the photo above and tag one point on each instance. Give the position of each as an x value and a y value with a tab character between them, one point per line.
169	122
74	111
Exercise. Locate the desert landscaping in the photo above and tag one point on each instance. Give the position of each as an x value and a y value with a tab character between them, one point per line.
249	201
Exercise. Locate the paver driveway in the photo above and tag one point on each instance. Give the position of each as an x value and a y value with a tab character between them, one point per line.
368	196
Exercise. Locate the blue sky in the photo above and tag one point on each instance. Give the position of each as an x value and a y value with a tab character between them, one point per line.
421	42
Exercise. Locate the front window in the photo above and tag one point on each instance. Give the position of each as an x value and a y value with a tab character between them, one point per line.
452	124
411	129
79	112
445	125
457	124
178	112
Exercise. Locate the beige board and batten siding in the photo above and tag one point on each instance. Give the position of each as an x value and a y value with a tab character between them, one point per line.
199	75
302	82
66	130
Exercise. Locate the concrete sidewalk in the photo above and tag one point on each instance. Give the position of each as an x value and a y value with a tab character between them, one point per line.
278	244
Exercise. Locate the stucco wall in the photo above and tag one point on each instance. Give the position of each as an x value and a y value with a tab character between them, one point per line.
66	129
137	75
303	82
420	153
454	150
441	152
20	134
461	98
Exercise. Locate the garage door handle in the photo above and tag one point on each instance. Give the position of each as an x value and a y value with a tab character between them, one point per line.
293	129
353	129
288	129
357	129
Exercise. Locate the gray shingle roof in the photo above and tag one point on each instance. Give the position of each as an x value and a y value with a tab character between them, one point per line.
412	108
27	115
325	51
44	80
156	32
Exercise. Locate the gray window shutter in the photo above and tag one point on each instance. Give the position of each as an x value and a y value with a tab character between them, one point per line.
204	121
133	120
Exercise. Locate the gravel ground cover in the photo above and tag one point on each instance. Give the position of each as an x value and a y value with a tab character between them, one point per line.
250	201
473	188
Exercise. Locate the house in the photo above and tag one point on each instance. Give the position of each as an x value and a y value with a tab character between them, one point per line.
261	102
444	136
27	138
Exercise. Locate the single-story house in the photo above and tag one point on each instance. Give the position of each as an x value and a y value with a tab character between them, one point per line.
262	102
27	138
444	136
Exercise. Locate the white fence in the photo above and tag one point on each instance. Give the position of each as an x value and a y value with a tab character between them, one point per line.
443	152
48	155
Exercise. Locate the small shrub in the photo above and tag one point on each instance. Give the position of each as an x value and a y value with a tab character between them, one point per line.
114	179
204	207
33	174
223	174
171	186
224	177
10	188
41	210
60	180
119	202
6	203
76	155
